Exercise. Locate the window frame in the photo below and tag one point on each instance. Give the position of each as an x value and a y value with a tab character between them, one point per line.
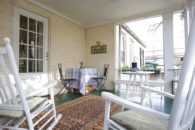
16	28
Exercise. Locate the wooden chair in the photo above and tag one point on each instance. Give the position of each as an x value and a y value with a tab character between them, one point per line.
65	82
16	106
144	118
102	79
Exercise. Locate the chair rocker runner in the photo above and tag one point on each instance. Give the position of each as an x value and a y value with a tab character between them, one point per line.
102	79
16	106
65	82
144	118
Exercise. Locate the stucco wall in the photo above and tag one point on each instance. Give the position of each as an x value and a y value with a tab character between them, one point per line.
104	34
66	39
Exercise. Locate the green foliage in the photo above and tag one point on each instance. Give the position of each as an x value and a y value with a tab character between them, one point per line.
125	67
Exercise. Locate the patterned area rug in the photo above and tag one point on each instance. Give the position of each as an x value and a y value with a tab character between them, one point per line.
85	113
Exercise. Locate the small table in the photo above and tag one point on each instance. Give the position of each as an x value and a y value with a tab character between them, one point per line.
142	74
83	76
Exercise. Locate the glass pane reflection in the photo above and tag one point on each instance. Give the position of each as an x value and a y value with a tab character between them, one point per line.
31	66
32	52
23	22
39	66
23	36
23	51
32	25
32	38
39	27
39	53
22	66
39	40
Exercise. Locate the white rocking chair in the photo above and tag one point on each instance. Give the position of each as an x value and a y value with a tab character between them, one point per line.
143	118
15	105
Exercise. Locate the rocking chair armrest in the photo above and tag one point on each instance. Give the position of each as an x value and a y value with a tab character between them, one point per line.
133	106
157	91
45	87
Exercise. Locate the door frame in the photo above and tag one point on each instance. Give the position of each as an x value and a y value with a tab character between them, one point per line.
15	43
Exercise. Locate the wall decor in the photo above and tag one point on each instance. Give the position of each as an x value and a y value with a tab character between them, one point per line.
97	49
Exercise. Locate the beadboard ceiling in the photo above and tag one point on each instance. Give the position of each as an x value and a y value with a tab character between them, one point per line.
94	12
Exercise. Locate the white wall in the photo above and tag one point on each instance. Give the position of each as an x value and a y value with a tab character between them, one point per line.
104	34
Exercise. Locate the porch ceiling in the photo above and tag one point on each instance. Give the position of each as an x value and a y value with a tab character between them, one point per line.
93	12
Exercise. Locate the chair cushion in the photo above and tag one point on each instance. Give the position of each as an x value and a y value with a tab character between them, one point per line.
133	120
33	103
3	121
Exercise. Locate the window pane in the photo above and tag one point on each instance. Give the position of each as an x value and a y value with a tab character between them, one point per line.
32	25
23	51
39	66
30	45
39	53
39	40
32	52
23	22
22	66
23	36
39	27
32	38
179	38
31	66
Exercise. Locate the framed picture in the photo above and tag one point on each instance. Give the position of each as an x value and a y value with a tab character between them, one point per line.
103	48
93	50
98	49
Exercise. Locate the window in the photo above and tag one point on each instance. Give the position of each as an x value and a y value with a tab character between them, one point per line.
123	51
179	38
32	42
30	45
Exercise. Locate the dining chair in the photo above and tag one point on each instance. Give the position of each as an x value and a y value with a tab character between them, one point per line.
101	80
143	118
65	82
18	107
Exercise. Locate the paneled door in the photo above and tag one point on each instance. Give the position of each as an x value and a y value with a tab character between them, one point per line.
30	42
